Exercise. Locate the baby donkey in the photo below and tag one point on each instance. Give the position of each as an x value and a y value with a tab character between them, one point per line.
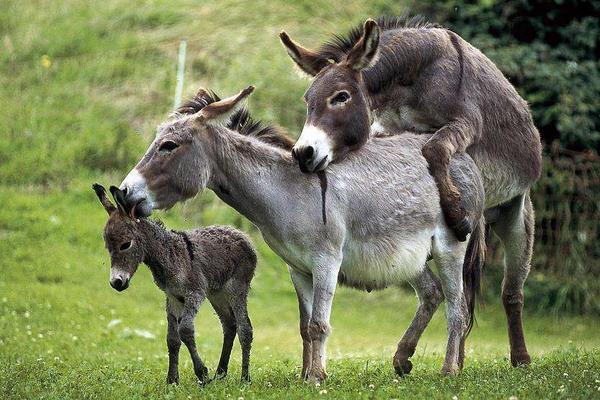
217	263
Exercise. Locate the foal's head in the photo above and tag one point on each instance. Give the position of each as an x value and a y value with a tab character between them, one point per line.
175	166
122	238
338	118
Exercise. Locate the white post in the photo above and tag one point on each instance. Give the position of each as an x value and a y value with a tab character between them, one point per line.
180	72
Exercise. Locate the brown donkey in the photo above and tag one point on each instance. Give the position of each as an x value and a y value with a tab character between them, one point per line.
391	76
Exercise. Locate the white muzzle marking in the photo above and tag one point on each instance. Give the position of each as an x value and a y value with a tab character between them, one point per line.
137	188
316	138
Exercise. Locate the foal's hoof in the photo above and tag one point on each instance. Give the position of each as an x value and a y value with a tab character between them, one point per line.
173	380
404	367
520	360
462	229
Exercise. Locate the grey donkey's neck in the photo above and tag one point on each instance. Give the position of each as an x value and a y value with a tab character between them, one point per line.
255	178
162	249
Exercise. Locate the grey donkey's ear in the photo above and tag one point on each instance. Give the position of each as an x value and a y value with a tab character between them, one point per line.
119	199
101	193
364	52
308	61
219	112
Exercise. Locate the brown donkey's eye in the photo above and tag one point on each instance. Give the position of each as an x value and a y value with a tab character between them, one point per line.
168	145
125	246
340	98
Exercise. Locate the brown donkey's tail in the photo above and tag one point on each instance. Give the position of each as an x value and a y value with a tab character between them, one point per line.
473	268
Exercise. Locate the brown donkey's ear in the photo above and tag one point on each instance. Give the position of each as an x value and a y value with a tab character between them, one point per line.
364	52
219	112
308	61
101	193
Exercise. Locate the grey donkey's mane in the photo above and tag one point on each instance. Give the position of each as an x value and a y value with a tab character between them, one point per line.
385	70
240	122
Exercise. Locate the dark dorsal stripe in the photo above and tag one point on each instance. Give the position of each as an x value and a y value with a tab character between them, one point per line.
240	122
188	244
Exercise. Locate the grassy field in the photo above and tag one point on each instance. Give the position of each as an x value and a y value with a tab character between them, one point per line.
82	87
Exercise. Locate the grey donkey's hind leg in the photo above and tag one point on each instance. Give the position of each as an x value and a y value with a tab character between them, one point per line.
515	227
429	292
239	305
221	305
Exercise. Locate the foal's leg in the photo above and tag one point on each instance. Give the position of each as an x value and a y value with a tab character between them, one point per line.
221	305
515	226
324	284
173	343
186	333
428	289
239	305
449	255
304	291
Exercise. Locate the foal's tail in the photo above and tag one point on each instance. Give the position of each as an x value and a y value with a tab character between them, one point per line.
473	268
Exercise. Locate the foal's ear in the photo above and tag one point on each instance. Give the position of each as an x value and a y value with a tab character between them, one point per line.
119	199
364	52
101	193
219	112
308	61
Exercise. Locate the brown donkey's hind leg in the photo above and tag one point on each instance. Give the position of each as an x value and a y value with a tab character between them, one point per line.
225	313
514	227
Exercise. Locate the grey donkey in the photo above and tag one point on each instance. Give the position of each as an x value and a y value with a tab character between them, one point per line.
394	75
384	219
216	262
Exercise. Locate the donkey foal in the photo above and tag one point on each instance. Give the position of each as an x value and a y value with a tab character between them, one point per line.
216	262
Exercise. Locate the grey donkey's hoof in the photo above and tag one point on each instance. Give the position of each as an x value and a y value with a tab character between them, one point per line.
462	229
520	360
404	367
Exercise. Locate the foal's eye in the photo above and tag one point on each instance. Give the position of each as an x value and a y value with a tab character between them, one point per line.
340	98
125	246
168	145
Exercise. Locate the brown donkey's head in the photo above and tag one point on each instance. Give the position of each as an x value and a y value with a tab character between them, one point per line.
175	166
122	238
338	118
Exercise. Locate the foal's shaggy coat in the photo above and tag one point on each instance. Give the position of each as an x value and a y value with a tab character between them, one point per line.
216	262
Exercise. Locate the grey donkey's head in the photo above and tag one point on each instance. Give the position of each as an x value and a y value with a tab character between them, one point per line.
122	237
338	119
175	166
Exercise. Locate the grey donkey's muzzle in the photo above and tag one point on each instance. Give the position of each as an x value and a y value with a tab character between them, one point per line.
137	195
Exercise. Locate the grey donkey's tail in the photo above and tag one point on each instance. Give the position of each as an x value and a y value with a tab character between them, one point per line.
473	268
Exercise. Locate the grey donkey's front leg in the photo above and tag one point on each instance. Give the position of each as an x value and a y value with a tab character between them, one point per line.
186	333
304	290
173	345
324	284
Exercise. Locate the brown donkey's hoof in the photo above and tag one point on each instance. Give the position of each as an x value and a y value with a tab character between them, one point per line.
404	367
462	229
520	360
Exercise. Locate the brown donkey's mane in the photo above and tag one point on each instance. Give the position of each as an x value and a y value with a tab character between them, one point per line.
240	122
385	71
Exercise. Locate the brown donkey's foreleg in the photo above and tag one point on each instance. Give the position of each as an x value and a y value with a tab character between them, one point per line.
429	291
452	138
515	227
173	345
304	291
186	333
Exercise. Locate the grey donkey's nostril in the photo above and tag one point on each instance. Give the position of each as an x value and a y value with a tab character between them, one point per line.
309	152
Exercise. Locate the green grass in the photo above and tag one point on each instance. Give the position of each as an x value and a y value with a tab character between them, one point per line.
88	117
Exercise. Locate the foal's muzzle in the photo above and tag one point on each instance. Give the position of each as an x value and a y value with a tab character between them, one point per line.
119	284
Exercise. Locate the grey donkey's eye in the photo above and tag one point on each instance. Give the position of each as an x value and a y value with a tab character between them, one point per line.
168	146
125	246
340	98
